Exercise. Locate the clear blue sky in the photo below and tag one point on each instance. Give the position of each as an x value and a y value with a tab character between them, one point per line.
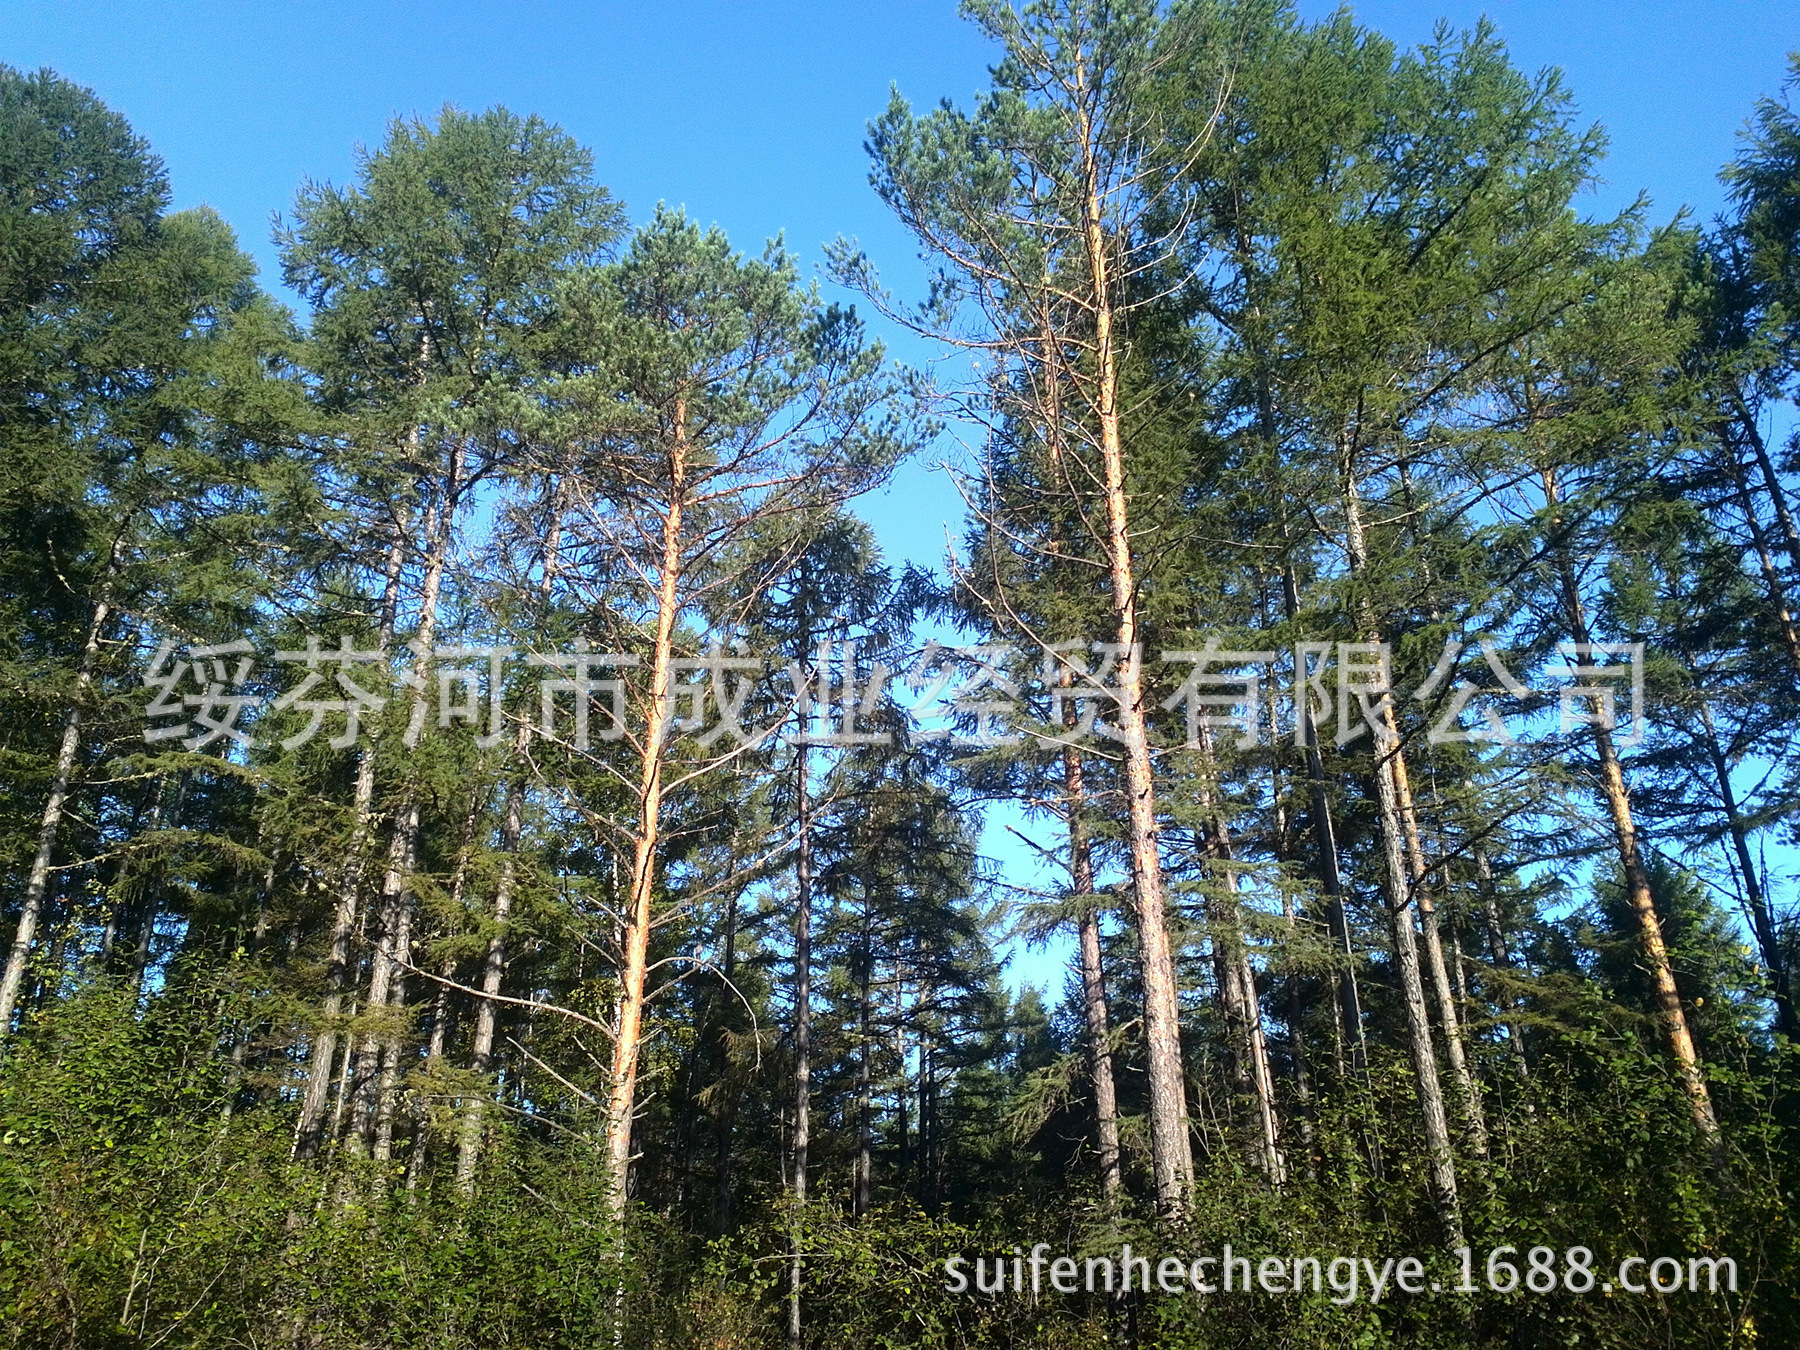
752	114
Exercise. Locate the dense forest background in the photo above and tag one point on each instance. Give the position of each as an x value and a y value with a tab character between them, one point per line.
491	847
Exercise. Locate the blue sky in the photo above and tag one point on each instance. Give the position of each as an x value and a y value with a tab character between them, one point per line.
751	115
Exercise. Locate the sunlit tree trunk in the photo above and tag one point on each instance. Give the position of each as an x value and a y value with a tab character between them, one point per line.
1170	1148
37	880
634	968
1637	882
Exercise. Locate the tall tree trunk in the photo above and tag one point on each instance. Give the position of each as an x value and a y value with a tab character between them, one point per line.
1440	1161
863	1193
1294	995
635	938
309	1128
37	880
1093	976
512	827
1330	873
1237	981
727	1087
1772	582
1637	881
1468	1090
440	1003
1171	1150
149	900
493	972
378	1057
1784	518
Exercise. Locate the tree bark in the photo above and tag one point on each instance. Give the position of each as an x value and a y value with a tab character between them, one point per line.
621	1105
1093	976
1790	535
1497	953
1237	981
308	1129
727	1087
1440	1161
1756	900
864	1183
1171	1150
37	880
1468	1089
378	1057
1637	880
512	828
1772	582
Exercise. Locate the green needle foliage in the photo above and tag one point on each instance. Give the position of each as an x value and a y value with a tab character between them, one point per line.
606	943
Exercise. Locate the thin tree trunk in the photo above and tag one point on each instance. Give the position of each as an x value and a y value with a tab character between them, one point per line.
1237	982
1171	1150
621	1105
802	1027
1468	1090
37	880
493	972
1093	977
440	1003
727	1088
322	1054
1637	881
1790	535
1497	953
1772	582
865	1107
1762	918
512	828
1349	998
1440	1161
378	1058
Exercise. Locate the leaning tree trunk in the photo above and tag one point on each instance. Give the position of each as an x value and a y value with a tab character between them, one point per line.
1756	900
37	881
1784	518
1637	880
1468	1089
1655	950
1772	582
